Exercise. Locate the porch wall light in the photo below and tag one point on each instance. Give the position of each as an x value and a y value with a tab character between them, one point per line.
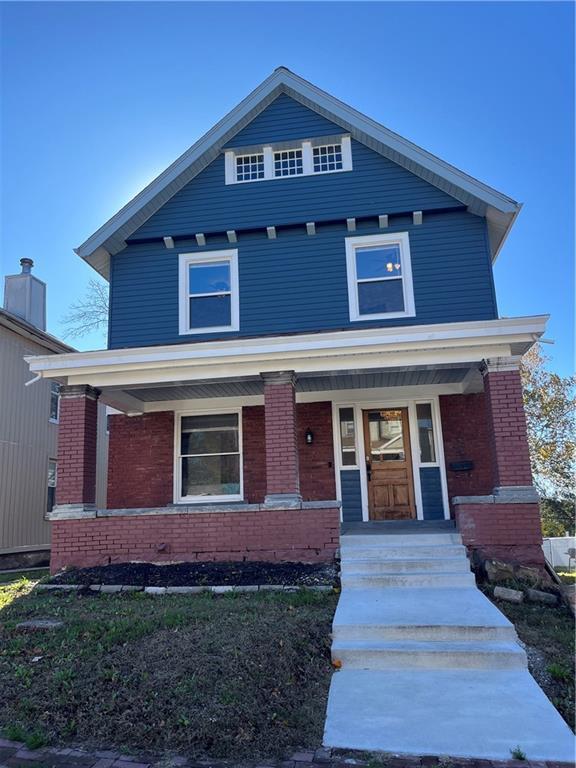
309	436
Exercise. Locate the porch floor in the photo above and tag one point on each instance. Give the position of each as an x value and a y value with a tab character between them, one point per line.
395	527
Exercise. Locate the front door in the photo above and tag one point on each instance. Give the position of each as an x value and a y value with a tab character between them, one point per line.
389	464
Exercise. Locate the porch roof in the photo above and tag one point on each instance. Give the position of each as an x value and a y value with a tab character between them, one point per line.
375	357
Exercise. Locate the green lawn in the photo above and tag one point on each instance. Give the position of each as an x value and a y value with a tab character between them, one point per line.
233	676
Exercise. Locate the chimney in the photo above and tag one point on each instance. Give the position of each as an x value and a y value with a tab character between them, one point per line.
25	295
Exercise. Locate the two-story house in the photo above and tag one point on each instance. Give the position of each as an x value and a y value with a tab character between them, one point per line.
303	333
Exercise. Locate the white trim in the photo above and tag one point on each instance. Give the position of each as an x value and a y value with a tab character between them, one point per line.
184	261
403	241
468	342
306	146
177	480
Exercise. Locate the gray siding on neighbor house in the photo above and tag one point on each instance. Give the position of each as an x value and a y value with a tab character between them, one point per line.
432	500
351	495
28	439
297	282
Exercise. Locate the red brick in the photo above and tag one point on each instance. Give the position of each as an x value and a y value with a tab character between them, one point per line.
308	535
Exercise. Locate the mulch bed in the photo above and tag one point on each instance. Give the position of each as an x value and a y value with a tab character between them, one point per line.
201	574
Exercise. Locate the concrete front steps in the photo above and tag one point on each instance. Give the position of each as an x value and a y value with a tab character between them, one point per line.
428	664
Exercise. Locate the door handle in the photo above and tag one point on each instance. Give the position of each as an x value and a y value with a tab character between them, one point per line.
368	470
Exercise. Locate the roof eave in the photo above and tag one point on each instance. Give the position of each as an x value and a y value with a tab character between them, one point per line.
110	237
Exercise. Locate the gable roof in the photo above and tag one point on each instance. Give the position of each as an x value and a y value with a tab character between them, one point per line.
28	331
499	210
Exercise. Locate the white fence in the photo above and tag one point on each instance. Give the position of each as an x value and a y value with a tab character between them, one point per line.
556	551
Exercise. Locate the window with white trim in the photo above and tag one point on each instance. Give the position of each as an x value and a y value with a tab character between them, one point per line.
379	277
209	299
249	167
52	476
347	437
54	401
327	158
288	160
426	440
209	457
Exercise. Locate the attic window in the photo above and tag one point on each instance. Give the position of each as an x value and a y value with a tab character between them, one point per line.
250	167
328	158
304	158
288	162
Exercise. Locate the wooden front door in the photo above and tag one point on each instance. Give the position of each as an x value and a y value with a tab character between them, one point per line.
389	464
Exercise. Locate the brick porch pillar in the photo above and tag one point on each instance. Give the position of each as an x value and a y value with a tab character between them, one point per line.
77	434
507	424
505	524
282	474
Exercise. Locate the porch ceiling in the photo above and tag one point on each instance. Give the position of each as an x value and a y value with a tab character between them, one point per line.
330	380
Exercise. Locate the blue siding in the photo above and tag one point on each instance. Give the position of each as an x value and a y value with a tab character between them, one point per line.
297	283
433	505
375	185
351	495
284	119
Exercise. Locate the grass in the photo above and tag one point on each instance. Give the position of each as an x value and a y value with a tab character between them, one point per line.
229	676
548	633
33	575
566	577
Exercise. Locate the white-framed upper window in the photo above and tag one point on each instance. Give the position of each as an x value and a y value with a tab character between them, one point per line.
209	299
54	401
302	158
250	167
288	162
379	277
209	457
327	158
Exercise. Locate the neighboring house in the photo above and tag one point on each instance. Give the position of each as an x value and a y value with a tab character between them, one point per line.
303	330
29	416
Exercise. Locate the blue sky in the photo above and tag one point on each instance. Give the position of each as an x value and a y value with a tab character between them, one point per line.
98	98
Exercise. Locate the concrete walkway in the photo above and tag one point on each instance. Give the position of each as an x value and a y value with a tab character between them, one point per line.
428	664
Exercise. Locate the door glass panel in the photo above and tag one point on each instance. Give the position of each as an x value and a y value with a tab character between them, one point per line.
426	433
386	436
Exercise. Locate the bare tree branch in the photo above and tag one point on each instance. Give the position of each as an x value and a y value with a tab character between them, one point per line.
89	314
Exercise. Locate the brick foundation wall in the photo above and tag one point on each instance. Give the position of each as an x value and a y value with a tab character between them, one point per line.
466	435
307	535
508	532
141	461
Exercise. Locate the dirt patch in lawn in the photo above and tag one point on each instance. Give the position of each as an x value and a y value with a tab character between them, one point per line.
547	633
231	676
199	574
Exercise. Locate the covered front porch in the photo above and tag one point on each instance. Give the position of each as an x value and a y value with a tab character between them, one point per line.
260	448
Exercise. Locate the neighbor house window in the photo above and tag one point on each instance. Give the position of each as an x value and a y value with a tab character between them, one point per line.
210	465
307	157
250	167
209	292
54	400
288	162
328	158
51	498
347	437
426	433
379	277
